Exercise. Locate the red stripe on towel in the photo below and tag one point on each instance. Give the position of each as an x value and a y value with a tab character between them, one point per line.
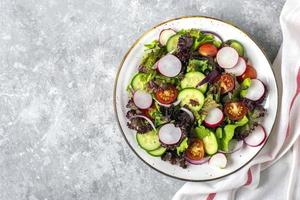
249	179
211	196
293	100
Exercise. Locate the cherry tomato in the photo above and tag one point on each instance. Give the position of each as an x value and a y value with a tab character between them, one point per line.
226	82
195	150
208	50
235	110
167	95
250	72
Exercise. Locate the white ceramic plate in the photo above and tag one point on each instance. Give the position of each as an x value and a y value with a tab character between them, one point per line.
129	67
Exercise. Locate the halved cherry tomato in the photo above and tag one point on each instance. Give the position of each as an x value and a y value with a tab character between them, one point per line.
167	95
226	82
235	110
250	72
208	50
195	150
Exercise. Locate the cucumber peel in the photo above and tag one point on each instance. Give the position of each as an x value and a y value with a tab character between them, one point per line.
237	46
148	141
157	152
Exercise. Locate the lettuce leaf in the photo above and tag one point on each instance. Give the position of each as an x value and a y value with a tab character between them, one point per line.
153	53
244	87
183	146
229	132
215	90
198	65
157	116
152	45
202	39
219	133
255	117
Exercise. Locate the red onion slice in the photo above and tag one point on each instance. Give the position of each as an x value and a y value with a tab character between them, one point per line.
216	35
146	118
175	103
188	112
197	162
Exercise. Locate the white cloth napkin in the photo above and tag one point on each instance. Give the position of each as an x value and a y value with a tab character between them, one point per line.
285	131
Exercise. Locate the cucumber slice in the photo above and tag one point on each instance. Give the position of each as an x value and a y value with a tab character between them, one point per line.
148	141
210	144
172	43
191	97
139	81
157	152
237	46
191	80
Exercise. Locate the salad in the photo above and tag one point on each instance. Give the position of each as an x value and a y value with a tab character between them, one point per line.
196	99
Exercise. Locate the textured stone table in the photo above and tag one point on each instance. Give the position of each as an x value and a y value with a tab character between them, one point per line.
58	135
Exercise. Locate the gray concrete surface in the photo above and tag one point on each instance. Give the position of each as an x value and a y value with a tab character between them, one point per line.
58	59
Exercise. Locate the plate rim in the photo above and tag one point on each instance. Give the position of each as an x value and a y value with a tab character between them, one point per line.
117	78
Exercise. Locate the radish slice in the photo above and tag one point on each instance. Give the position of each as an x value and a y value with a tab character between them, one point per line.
197	162
165	35
169	65
257	137
214	118
234	145
188	112
256	90
142	99
218	160
227	57
239	68
169	134
146	118
155	65
168	105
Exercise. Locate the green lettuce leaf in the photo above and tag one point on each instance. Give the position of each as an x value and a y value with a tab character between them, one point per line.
244	87
255	116
229	132
215	90
157	116
152	45
162	80
198	65
153	52
219	133
182	147
202	39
